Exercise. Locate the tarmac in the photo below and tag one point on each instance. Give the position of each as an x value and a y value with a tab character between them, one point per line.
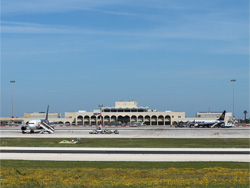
133	132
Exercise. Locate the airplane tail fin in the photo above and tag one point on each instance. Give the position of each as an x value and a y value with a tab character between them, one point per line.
222	117
47	114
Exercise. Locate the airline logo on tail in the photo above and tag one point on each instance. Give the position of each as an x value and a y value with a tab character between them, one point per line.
222	117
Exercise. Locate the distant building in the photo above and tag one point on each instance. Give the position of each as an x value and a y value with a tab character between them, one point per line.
214	115
42	115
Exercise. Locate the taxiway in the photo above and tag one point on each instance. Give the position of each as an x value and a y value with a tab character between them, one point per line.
141	132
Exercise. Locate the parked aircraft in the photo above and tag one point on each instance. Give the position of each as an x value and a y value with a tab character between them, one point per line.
210	123
42	124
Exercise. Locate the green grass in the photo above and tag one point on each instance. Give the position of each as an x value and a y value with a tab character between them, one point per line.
130	142
21	164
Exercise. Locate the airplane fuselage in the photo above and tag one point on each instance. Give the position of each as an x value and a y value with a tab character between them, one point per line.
204	123
34	124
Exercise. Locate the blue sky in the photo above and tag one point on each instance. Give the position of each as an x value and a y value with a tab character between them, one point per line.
173	55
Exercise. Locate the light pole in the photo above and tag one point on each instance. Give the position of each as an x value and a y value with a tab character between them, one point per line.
12	83
100	106
233	96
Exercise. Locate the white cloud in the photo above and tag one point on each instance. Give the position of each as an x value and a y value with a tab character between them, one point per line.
181	38
158	24
184	31
105	6
47	6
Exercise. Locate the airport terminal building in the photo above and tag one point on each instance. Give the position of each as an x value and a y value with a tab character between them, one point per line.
124	112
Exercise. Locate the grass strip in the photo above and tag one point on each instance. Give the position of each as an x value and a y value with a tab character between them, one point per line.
23	164
130	142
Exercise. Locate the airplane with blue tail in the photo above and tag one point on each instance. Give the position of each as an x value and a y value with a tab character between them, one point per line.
220	122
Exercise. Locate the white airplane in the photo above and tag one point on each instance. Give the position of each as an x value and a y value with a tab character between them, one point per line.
210	123
42	124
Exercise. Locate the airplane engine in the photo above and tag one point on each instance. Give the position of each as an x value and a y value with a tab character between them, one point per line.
23	128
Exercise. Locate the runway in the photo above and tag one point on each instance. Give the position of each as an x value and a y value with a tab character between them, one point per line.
126	154
145	132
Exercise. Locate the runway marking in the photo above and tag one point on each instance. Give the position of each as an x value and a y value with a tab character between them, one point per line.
139	135
160	133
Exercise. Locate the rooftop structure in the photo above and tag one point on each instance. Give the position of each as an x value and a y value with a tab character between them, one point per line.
125	106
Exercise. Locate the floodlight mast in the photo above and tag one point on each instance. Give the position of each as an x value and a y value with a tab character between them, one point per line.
12	83
234	80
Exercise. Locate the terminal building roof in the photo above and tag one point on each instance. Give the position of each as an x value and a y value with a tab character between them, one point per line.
125	109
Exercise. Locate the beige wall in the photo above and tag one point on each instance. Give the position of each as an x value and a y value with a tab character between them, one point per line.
150	118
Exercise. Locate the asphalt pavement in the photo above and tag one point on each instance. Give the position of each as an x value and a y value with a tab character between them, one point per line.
141	132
